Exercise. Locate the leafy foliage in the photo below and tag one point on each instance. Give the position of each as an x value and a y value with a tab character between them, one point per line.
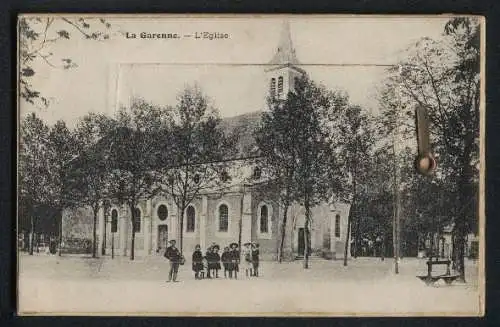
43	156
299	148
196	159
133	149
443	76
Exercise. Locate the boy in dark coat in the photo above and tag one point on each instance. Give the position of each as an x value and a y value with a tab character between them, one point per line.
197	261
216	260
174	257
225	261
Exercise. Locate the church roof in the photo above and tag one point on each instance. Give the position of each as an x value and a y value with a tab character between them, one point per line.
285	54
244	126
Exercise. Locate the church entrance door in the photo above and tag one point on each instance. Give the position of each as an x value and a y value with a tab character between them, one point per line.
301	242
162	238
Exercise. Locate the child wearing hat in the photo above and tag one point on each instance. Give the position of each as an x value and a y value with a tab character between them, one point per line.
209	259
234	255
197	261
216	260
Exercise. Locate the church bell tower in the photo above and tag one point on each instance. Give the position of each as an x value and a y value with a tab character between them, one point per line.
283	69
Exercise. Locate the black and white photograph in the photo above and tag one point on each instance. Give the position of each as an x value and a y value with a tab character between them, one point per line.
250	165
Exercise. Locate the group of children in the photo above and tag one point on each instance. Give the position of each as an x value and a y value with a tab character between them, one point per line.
231	258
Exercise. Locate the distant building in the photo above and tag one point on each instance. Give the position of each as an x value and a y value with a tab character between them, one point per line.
218	215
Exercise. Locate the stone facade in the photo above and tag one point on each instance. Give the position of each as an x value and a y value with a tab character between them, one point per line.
248	209
244	207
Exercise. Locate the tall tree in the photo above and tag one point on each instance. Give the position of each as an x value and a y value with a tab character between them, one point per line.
134	147
308	117
89	176
275	140
196	161
33	168
62	150
444	77
357	139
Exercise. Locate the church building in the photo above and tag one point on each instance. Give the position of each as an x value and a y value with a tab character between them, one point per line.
241	210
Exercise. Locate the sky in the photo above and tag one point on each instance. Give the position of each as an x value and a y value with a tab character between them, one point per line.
341	52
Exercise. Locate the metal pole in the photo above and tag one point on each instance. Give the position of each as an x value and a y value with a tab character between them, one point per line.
103	248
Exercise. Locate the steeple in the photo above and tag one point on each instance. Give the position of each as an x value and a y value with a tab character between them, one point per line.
283	70
285	55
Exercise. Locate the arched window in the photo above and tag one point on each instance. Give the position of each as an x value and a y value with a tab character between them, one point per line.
272	88
190	219
256	173
162	212
224	176
264	220
223	218
114	221
280	85
137	220
337	226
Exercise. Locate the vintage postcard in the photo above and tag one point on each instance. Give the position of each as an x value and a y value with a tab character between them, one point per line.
273	165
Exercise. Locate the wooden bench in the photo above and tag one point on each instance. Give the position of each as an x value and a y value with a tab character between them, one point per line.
429	279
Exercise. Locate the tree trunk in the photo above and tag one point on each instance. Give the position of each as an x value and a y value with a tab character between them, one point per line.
306	235
356	239
32	233
460	252
103	241
382	248
94	232
348	231
132	240
283	233
460	229
240	222
181	228
454	250
60	234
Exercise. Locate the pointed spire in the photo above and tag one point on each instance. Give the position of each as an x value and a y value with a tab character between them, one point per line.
286	52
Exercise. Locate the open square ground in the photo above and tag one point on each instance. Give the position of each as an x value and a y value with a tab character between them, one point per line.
367	286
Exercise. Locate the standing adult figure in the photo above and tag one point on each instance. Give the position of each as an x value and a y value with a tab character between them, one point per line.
255	259
174	257
246	254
